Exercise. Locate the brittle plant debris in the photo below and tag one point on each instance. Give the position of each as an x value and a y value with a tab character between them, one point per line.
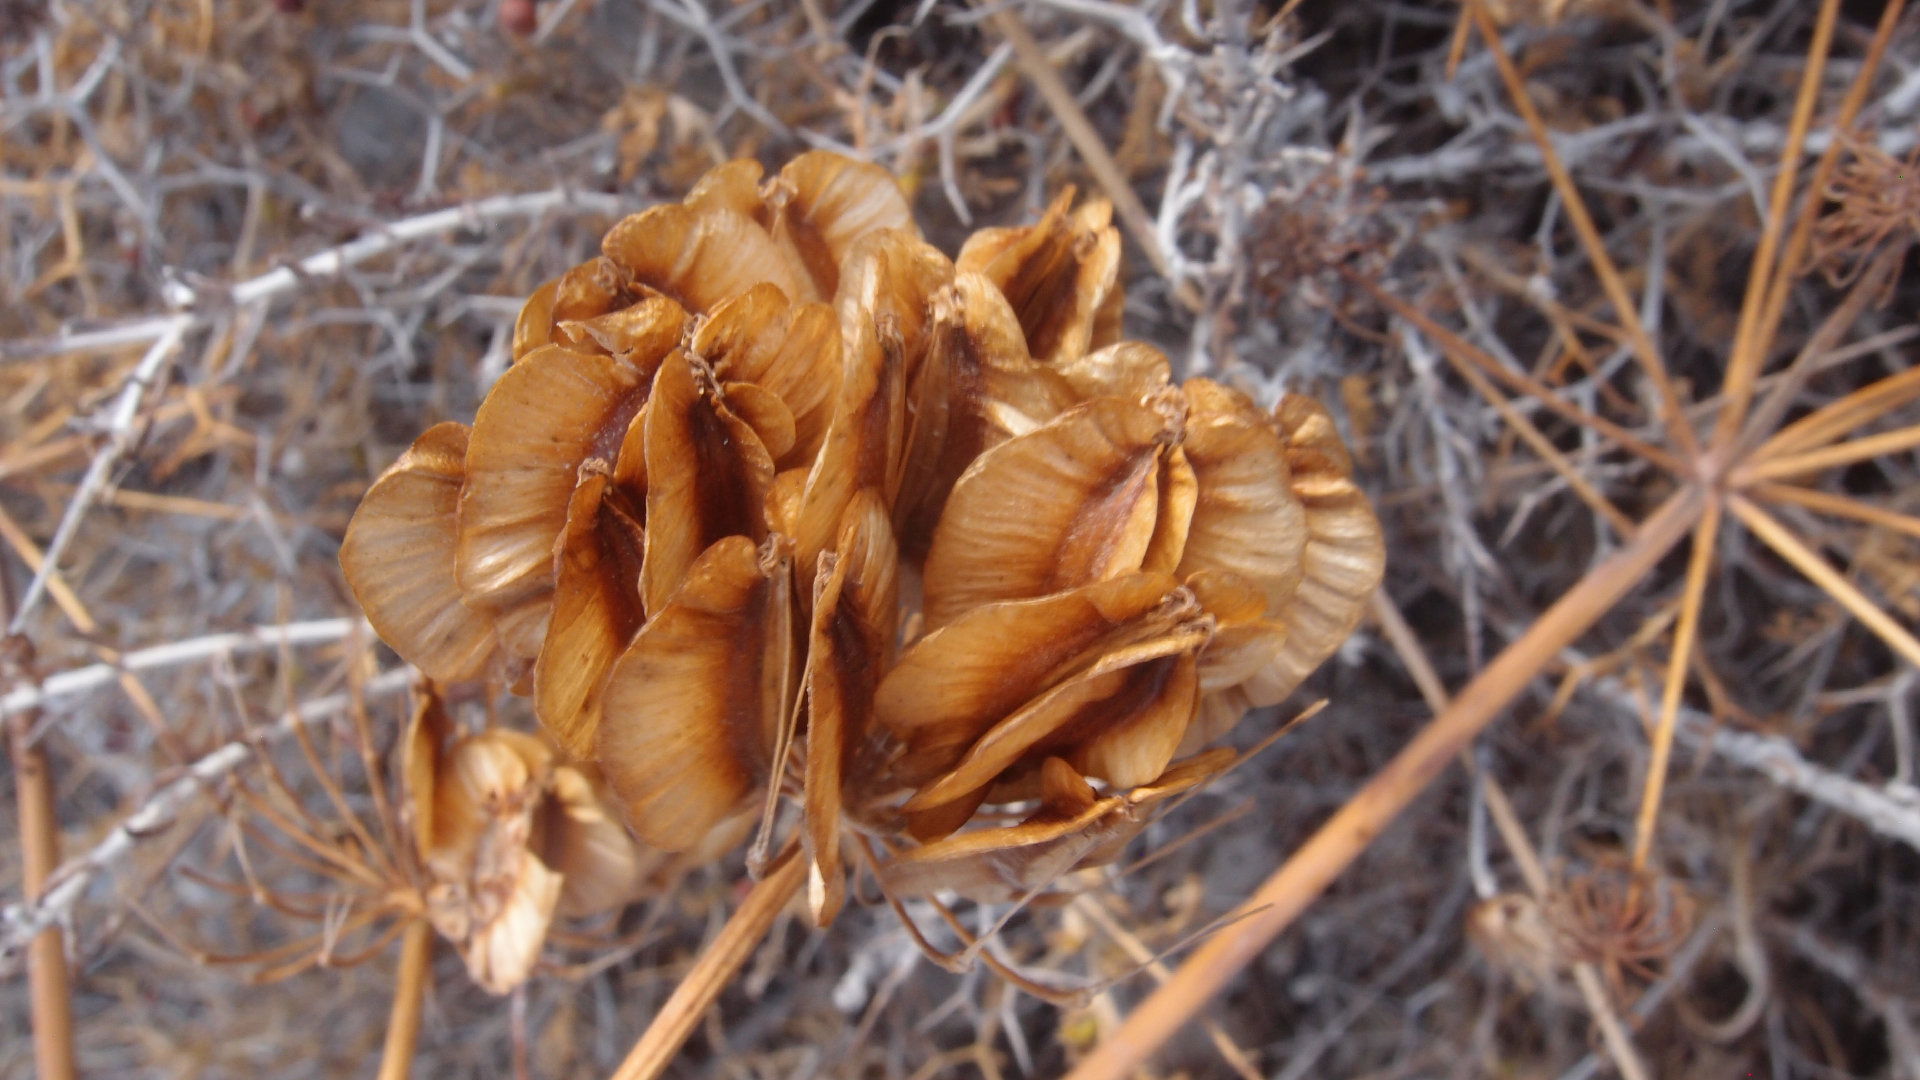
1547	267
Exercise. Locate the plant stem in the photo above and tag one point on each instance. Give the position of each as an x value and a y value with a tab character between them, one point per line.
409	989
714	970
1338	842
46	956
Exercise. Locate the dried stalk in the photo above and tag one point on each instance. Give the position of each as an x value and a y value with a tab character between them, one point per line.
701	986
46	955
1685	634
1337	843
409	990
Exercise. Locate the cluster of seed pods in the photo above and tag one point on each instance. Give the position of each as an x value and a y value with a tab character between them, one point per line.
777	500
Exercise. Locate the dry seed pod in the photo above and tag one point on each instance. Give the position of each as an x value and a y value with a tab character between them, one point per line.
849	646
1073	829
789	350
595	610
579	834
486	893
398	560
733	186
1062	276
1341	564
976	388
708	473
890	277
1128	369
507	837
822	204
1104	677
546	416
865	441
702	257
1246	518
694	706
1073	502
1118	719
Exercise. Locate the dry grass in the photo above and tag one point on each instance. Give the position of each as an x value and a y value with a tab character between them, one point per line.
252	249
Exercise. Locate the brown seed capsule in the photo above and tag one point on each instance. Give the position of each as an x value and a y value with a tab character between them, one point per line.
398	559
694	706
508	837
1062	276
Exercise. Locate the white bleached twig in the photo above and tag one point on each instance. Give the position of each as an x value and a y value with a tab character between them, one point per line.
94	676
21	923
321	265
1881	809
119	438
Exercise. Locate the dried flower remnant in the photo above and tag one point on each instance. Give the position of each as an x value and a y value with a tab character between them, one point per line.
1876	199
508	837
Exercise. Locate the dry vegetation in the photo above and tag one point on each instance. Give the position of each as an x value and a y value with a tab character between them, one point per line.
252	250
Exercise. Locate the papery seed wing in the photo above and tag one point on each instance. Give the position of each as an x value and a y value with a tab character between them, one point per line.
500	954
1344	555
691	709
1061	275
976	389
546	415
398	557
701	257
642	334
427	735
580	835
1182	776
596	609
1246	519
864	443
954	684
765	413
534	327
586	292
825	203
735	186
790	350
892	275
1119	720
1124	369
707	474
1071	503
997	865
849	645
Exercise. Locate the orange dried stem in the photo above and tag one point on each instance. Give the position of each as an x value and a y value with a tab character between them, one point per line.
1337	843
52	996
1685	634
1743	368
409	988
1808	562
1829	422
1839	506
1576	209
1783	278
1846	453
713	971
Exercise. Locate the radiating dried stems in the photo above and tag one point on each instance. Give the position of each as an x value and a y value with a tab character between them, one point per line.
746	458
1620	917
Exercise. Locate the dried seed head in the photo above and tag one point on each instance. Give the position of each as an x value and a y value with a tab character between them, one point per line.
707	536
